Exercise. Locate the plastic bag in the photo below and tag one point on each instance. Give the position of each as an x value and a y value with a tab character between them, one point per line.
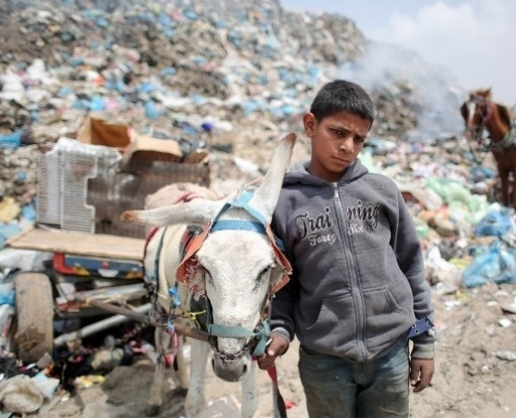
497	265
495	223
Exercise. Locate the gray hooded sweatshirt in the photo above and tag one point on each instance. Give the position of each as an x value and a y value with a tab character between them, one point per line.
358	281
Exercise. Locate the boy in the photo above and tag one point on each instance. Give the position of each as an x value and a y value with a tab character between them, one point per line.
358	286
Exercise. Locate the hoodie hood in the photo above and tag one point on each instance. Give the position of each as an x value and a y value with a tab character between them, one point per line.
298	173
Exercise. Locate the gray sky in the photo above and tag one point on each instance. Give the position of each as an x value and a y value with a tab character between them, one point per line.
474	40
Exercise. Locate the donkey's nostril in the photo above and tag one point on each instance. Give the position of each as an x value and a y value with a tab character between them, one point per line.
244	369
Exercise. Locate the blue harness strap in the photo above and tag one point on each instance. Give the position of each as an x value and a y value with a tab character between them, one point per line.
238	225
262	335
242	202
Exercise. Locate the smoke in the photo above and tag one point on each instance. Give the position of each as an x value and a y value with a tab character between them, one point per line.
475	40
436	92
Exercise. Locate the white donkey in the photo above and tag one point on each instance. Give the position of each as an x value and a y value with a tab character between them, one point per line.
234	266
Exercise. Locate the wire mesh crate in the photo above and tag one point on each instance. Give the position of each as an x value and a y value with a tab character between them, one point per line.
82	187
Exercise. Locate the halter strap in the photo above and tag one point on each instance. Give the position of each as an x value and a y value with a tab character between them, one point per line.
238	225
242	202
262	335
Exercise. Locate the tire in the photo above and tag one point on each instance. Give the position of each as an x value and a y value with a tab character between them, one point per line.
34	316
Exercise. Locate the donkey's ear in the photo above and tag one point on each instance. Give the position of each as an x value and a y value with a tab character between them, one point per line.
266	195
197	212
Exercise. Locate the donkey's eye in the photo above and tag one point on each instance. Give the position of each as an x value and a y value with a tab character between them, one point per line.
265	271
262	276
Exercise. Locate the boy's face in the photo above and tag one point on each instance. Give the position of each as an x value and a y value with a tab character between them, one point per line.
336	141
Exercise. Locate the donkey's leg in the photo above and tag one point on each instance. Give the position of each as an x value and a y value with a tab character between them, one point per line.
183	370
195	399
250	397
504	184
155	400
513	189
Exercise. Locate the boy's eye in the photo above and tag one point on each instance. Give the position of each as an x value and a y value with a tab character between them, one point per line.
339	133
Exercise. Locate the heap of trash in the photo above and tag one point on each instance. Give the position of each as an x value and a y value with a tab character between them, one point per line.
212	84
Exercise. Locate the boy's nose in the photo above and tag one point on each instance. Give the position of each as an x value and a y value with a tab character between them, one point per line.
346	145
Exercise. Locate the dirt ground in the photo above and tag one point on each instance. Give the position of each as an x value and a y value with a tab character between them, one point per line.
475	372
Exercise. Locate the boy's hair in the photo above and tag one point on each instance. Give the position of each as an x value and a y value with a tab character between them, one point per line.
342	96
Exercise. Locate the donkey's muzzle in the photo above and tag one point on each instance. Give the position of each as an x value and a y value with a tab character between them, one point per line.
230	371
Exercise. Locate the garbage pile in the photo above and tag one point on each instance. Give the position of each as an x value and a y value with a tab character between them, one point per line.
167	60
229	76
229	73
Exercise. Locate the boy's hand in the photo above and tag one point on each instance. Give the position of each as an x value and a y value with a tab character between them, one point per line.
421	372
277	347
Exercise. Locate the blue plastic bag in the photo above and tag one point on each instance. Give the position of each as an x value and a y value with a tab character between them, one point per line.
495	223
151	110
497	265
12	140
7	296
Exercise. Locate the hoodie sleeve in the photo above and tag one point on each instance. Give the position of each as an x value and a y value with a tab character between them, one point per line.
283	302
409	254
282	312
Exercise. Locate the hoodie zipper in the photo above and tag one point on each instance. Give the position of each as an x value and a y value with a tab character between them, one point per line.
356	292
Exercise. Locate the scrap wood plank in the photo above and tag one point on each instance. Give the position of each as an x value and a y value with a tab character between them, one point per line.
80	243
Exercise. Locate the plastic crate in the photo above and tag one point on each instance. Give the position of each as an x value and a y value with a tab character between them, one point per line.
82	188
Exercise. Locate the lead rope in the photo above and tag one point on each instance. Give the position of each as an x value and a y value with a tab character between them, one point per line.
280	409
279	402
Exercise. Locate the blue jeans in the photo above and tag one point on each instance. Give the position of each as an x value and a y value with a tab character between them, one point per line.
338	388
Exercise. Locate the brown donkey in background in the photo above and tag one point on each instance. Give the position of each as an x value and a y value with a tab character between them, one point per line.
481	114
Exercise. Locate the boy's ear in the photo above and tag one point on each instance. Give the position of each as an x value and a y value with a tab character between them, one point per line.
309	123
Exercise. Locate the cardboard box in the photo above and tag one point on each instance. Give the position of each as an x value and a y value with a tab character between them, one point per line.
146	149
97	131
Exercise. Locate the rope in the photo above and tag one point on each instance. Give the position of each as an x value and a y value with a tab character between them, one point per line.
192	316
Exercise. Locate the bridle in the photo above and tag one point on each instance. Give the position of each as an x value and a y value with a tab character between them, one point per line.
259	337
258	340
481	109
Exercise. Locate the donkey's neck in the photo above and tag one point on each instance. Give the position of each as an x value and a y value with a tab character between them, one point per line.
496	126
